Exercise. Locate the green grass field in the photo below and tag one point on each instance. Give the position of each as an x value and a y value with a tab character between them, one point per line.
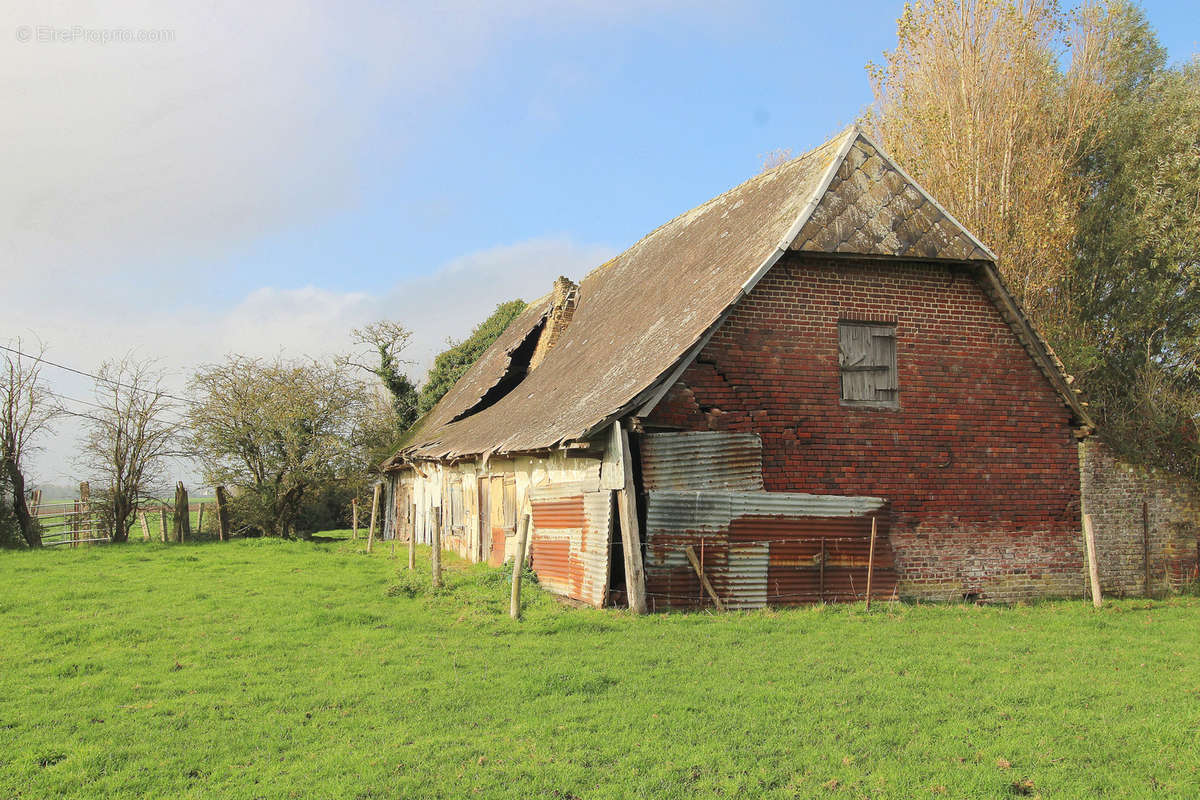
287	669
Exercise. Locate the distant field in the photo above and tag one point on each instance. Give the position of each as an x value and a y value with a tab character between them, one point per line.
260	668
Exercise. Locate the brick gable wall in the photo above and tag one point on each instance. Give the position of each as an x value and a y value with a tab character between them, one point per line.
978	461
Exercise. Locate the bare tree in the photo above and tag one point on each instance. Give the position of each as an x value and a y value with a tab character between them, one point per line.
26	409
381	344
132	432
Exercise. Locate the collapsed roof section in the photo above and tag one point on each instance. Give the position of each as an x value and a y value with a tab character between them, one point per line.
638	319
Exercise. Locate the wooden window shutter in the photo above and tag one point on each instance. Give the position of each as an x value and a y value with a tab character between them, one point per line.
867	357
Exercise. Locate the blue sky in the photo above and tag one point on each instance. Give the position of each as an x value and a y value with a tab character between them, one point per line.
279	172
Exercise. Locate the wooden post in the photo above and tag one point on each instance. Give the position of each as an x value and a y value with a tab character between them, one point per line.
145	526
1089	538
200	521
514	606
708	587
35	500
1146	547
631	540
374	514
85	512
435	558
412	538
162	521
354	519
182	528
871	564
223	532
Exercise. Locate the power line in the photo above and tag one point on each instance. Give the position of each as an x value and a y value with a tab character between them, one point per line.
96	377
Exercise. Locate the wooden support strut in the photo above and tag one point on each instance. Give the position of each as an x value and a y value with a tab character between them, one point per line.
708	587
354	519
631	540
435	557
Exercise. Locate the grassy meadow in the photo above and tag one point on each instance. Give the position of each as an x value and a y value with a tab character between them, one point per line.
265	669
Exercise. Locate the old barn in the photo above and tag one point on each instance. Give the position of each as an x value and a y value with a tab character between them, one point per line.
743	392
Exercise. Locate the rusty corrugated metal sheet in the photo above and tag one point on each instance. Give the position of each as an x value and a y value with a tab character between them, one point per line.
571	543
702	460
764	548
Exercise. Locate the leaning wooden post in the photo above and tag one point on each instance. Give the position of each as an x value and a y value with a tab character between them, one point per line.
200	521
704	582
354	519
35	500
162	521
871	564
222	513
631	540
514	606
1089	538
374	514
145	526
435	558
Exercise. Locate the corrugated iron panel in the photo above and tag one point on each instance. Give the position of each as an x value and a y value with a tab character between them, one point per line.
571	545
764	548
702	460
745	584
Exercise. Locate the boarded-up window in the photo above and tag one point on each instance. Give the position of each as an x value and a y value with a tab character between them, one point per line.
510	503
457	517
867	356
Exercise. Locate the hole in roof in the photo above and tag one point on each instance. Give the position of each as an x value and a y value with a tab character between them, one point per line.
518	367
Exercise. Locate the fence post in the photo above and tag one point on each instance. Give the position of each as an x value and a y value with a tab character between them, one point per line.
85	511
222	514
871	564
162	521
1089	539
354	519
412	538
435	558
183	514
200	521
514	606
374	514
145	526
35	500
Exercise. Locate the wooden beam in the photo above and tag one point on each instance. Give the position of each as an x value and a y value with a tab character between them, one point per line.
631	540
708	587
1089	538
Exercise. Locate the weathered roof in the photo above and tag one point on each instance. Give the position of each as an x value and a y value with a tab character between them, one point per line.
644	314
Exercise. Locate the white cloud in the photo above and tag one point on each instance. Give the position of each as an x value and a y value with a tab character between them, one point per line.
299	322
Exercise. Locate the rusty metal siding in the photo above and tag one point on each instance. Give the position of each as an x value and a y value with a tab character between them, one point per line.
571	543
702	460
764	548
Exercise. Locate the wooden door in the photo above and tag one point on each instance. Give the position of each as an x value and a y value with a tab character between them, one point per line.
496	521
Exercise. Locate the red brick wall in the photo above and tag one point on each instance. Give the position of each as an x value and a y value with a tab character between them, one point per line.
979	461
